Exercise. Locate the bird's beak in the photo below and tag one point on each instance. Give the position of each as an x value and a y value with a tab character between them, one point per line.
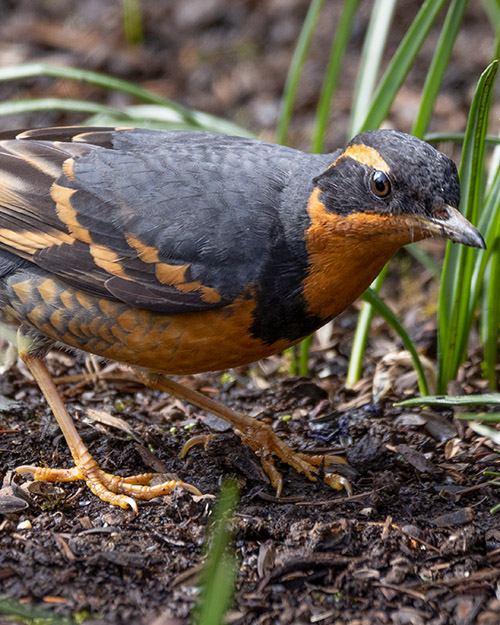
448	222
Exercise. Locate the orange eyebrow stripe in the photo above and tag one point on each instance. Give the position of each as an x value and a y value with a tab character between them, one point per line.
365	155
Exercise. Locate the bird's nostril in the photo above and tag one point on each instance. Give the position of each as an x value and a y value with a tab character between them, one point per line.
441	213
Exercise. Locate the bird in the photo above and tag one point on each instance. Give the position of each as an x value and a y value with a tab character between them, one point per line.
180	252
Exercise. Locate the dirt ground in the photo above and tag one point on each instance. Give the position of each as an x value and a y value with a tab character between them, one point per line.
415	543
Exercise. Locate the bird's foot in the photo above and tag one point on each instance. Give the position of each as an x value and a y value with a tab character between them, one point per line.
116	490
113	489
267	445
257	435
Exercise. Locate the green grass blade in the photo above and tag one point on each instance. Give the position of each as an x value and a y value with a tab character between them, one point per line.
439	64
491	319
155	116
455	293
132	21
393	78
489	226
34	70
195	119
360	338
296	65
390	318
16	612
457	137
302	367
484	417
490	305
57	104
339	46
492	8
220	569
486	274
123	119
359	343
401	63
147	116
371	58
454	269
424	259
382	100
452	400
484	430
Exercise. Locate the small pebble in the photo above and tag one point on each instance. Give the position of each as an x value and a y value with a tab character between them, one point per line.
457	517
412	530
24	525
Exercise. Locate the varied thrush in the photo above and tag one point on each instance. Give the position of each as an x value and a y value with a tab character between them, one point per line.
178	252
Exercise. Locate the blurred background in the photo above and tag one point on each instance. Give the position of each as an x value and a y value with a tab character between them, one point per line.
227	58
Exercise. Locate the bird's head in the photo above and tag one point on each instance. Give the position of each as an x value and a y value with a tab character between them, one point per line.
386	189
399	183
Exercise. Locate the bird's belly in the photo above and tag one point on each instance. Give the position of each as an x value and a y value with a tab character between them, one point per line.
177	344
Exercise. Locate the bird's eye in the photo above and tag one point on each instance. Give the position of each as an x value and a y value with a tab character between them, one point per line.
380	184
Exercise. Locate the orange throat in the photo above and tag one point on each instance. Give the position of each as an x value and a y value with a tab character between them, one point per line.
346	253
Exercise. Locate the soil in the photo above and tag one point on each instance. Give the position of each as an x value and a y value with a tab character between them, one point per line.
415	543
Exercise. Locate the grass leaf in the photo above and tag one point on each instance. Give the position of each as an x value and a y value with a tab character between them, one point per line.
401	63
390	318
295	70
371	58
193	119
439	64
332	73
452	400
455	303
360	338
220	569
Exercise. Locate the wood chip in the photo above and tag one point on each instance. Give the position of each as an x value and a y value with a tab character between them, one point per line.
105	418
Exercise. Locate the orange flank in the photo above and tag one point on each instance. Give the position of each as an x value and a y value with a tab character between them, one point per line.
175	343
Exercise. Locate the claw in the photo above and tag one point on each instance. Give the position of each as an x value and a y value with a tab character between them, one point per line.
201	439
338	482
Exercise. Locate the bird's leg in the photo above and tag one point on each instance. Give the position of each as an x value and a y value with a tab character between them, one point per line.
110	488
257	435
